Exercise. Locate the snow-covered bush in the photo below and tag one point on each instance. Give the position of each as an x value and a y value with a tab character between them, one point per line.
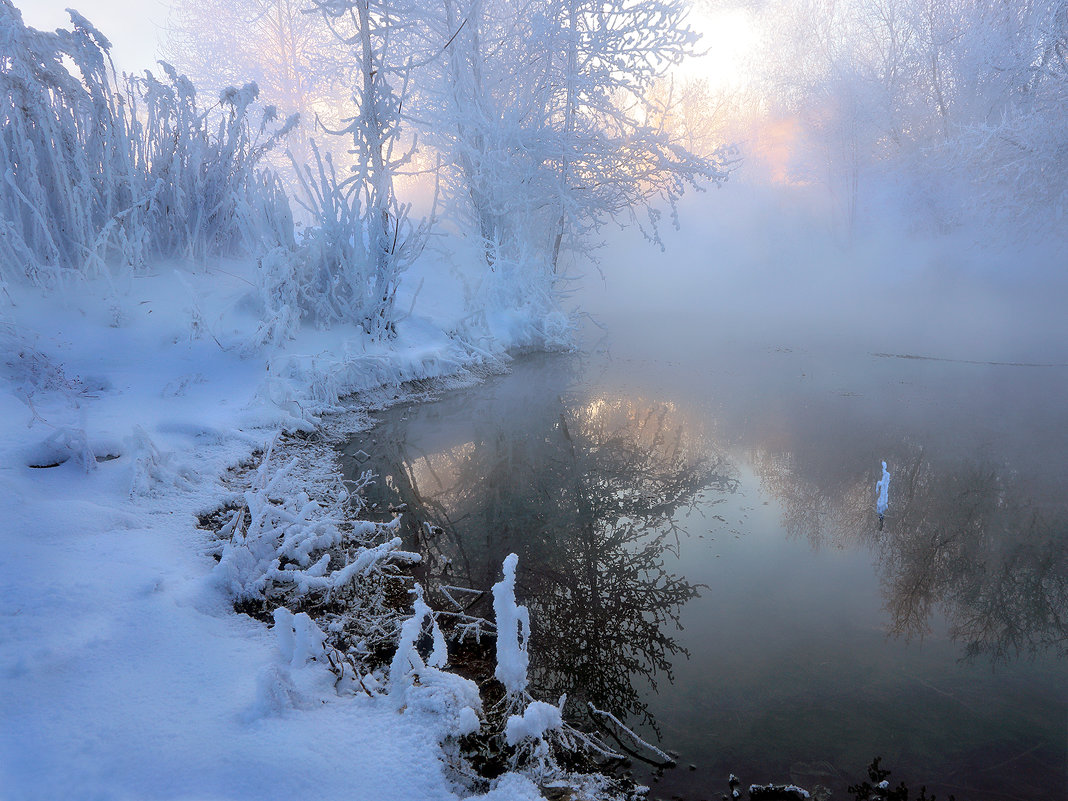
92	175
418	683
65	161
331	277
533	732
204	193
518	302
339	273
283	548
407	663
377	228
32	374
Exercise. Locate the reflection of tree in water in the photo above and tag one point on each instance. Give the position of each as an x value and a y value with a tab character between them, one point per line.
821	506
997	564
962	539
587	495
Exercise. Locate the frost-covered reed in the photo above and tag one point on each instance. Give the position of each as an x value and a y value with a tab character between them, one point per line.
99	174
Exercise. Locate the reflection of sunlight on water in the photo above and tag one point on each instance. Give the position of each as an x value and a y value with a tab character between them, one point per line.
439	472
586	491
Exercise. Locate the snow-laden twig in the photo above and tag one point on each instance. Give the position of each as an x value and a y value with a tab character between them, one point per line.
284	548
407	664
513	632
614	727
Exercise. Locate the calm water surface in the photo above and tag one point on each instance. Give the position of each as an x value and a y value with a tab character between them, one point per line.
700	552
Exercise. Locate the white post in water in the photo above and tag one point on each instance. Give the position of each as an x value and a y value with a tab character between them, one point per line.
882	489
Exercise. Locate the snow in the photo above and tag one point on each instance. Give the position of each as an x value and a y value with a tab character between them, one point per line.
513	631
125	671
777	790
413	683
538	718
511	787
132	381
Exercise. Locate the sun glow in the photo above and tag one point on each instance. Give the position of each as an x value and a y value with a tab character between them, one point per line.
728	40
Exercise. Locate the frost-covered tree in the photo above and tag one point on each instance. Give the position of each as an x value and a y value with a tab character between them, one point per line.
548	123
291	54
960	102
364	228
567	89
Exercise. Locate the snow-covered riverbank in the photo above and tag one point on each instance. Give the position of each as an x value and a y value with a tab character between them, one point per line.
125	671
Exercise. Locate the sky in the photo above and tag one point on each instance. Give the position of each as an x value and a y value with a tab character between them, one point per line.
134	27
728	37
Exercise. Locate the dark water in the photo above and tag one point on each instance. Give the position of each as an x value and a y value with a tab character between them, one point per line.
700	552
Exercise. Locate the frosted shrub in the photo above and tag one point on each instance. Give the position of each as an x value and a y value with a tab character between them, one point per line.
518	302
92	175
66	167
33	374
414	681
330	278
342	272
407	664
204	194
532	735
284	548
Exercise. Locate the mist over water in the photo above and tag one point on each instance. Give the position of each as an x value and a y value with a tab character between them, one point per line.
691	493
761	301
776	264
813	355
744	386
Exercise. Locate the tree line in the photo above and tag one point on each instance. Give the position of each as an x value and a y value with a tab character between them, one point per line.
534	122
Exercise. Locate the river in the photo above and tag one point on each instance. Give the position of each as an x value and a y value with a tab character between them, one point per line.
692	499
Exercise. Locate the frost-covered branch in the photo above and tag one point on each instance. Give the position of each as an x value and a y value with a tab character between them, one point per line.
283	548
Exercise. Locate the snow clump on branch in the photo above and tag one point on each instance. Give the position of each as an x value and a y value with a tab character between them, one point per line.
513	632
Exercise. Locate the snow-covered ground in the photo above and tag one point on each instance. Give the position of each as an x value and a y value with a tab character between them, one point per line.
124	672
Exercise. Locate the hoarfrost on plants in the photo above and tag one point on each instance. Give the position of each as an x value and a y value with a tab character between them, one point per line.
143	240
538	718
407	664
513	632
100	177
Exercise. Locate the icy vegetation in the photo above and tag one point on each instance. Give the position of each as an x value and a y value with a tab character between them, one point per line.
283	548
950	113
101	179
513	631
178	319
194	285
